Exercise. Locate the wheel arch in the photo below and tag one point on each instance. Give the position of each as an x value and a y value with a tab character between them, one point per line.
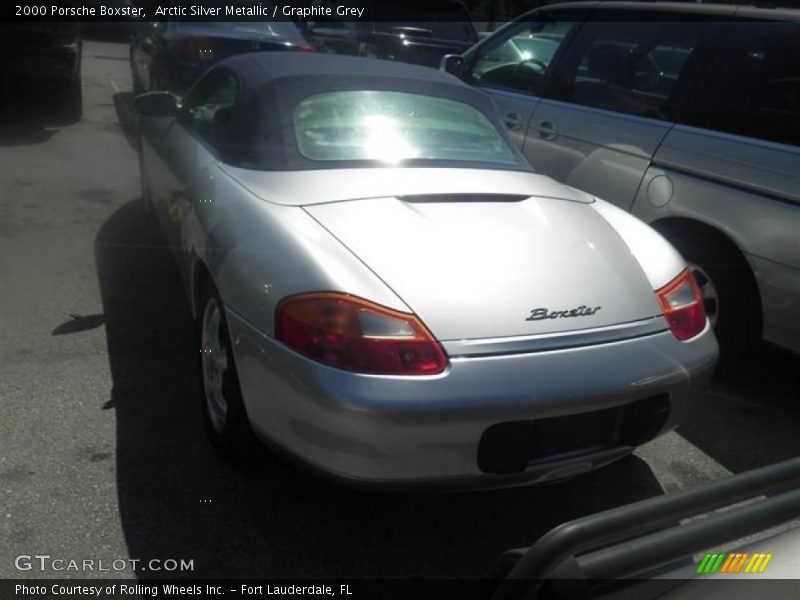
687	229
681	230
201	278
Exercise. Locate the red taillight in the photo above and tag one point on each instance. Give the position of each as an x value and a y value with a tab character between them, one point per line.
305	47
682	304
350	333
194	48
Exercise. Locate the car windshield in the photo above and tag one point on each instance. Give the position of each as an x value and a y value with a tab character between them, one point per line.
393	127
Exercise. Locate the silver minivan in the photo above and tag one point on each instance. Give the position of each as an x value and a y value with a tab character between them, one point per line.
688	116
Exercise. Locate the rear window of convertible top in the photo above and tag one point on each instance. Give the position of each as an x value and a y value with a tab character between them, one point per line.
395	127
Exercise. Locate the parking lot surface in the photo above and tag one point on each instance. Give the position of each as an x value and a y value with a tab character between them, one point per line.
103	453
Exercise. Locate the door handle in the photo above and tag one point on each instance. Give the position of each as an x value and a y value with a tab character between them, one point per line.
547	130
513	121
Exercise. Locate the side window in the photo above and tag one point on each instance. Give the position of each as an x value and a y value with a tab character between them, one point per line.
631	67
209	109
519	59
752	87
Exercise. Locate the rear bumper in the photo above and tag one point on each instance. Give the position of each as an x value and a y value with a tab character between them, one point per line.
432	431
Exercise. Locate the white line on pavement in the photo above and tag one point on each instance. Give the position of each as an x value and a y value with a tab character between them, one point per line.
679	464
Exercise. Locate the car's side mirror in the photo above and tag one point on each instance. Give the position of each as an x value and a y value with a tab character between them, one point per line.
452	63
157	104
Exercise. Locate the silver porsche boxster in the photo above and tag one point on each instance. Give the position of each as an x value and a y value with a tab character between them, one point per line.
387	291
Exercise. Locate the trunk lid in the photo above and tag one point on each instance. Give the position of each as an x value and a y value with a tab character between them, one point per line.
489	268
305	188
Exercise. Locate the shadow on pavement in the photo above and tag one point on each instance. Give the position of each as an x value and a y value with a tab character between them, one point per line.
265	518
750	417
31	111
79	323
22	130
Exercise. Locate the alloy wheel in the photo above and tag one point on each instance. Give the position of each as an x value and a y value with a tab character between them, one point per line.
214	364
708	291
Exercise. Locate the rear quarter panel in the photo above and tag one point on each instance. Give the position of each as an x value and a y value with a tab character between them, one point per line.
258	253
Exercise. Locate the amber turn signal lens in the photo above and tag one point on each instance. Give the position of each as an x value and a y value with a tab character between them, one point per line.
682	305
352	333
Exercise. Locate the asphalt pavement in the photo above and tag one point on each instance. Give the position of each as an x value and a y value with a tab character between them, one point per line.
102	449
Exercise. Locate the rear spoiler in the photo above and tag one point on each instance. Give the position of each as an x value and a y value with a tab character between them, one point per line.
641	538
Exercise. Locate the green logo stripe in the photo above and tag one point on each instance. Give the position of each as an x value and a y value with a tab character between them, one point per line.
701	567
710	563
718	563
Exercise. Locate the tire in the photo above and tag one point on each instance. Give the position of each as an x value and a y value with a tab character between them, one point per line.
70	97
138	88
729	291
224	413
158	82
150	220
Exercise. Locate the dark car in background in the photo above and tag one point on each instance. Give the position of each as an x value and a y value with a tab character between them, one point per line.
171	55
405	30
33	52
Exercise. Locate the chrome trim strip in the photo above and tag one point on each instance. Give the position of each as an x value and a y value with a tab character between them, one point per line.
554	341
